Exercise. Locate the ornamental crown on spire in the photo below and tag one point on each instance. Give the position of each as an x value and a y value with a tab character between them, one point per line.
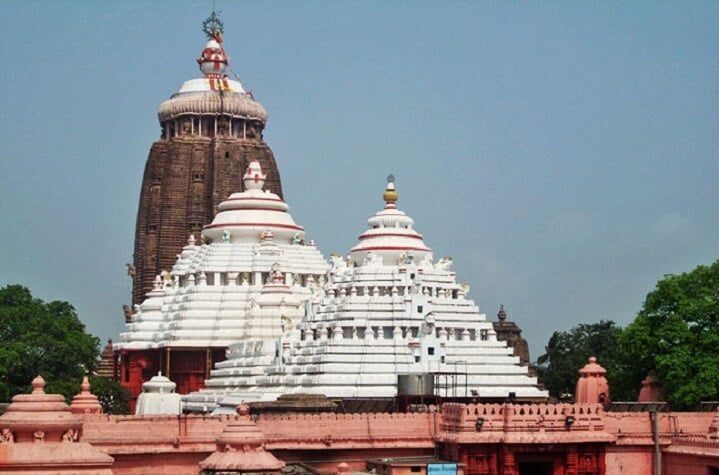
213	60
213	27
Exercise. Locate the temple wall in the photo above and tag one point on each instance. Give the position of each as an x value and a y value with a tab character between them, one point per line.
327	429
168	463
638	424
634	460
173	445
693	456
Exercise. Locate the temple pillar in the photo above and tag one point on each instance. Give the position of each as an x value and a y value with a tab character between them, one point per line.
571	458
509	464
167	361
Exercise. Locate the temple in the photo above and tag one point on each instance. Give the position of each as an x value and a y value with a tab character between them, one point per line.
239	312
211	129
222	291
390	321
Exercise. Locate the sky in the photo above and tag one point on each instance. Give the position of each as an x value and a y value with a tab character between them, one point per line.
565	154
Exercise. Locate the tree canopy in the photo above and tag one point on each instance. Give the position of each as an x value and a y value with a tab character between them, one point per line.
567	351
112	396
675	336
42	338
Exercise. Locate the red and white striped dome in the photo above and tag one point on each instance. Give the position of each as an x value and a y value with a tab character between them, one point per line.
251	215
390	235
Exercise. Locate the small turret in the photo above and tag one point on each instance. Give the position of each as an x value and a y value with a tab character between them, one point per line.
651	391
592	386
241	449
85	402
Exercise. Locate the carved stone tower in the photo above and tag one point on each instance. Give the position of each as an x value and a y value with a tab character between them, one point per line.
511	333
211	130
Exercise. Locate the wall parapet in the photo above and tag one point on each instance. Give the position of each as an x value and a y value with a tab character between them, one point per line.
497	422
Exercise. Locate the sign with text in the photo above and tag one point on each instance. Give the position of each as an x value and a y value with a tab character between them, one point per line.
441	469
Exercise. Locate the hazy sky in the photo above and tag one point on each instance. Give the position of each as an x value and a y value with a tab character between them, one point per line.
566	154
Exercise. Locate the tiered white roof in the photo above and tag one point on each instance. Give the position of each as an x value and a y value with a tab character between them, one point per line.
388	309
231	288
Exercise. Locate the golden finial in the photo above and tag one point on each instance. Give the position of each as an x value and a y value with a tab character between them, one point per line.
390	194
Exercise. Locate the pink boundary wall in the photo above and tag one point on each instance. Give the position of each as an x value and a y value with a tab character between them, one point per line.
174	445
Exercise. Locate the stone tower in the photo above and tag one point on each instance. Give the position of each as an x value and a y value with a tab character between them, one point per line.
211	130
511	333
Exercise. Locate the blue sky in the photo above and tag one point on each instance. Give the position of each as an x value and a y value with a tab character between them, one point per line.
566	154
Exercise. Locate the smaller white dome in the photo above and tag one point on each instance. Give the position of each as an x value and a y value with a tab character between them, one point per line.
158	397
390	235
249	215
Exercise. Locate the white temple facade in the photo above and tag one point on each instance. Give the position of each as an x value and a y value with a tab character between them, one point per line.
228	289
388	309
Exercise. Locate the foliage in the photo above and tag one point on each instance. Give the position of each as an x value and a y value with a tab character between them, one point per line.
41	338
676	336
113	396
568	351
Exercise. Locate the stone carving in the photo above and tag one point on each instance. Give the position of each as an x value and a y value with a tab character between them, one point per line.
444	264
70	436
128	313
374	260
338	262
287	324
7	437
38	436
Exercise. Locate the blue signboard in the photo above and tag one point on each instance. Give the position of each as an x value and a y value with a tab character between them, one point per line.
441	469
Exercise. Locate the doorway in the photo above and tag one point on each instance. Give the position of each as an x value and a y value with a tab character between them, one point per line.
536	468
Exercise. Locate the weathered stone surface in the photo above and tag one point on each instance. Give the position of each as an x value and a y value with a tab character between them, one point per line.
185	178
511	333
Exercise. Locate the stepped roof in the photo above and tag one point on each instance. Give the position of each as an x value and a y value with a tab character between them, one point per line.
387	310
254	262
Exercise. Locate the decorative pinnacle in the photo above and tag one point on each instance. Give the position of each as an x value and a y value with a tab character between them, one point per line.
502	315
213	27
390	193
38	385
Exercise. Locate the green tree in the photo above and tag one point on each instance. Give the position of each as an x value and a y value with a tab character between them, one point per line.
41	338
568	351
113	396
676	337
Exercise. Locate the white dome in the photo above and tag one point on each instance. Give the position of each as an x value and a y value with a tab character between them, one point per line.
249	215
390	235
